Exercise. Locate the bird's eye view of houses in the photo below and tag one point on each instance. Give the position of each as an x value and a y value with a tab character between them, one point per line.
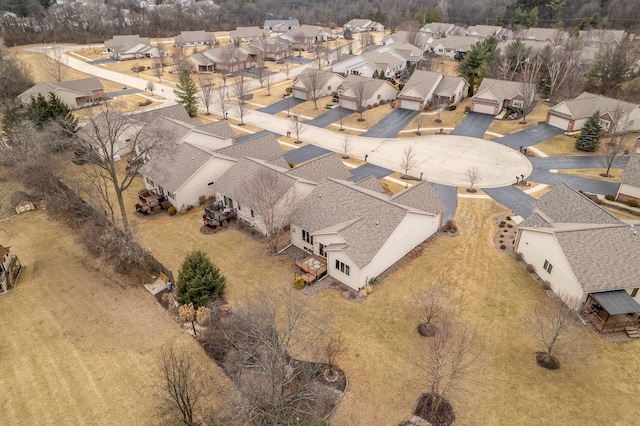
268	212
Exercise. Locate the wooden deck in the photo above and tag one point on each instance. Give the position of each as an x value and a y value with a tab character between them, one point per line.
614	323
314	268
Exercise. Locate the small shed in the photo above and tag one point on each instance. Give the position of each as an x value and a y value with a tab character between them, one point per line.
9	270
22	202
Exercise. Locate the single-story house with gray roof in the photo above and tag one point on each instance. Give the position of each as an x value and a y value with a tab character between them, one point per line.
280	25
630	186
494	95
586	254
358	233
358	92
195	38
74	93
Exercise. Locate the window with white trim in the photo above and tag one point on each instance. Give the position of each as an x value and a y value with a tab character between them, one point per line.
342	267
518	103
307	237
548	266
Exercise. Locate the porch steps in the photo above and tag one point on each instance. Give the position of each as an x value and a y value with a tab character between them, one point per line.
632	332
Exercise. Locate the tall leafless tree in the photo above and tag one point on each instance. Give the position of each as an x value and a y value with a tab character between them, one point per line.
472	174
345	146
408	159
560	65
359	91
180	386
207	90
419	120
54	63
241	92
530	80
109	135
620	136
220	98
557	328
297	126
430	304
151	87
314	82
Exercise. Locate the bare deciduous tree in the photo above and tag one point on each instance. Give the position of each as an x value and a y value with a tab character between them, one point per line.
314	82
449	359
408	159
180	386
557	328
430	303
530	80
110	135
151	87
360	95
419	120
296	126
220	98
332	349
241	91
207	90
345	145
561	64
620	135
472	174
55	63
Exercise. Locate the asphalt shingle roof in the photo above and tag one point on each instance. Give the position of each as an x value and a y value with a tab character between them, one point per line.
327	166
421	82
172	167
219	128
491	90
631	173
264	147
422	197
588	103
371	183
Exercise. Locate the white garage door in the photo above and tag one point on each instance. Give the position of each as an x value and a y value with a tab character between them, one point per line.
484	108
348	104
412	105
559	122
300	94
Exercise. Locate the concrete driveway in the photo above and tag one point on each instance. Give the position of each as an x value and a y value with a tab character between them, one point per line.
474	125
391	124
305	153
530	136
122	93
102	61
330	117
245	138
282	105
576	182
574	162
449	196
367	170
512	198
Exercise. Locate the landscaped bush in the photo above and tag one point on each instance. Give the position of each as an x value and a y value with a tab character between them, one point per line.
503	223
500	241
452	107
172	210
383	101
291	165
632	203
509	225
518	256
502	246
609	197
298	283
530	268
508	217
546	285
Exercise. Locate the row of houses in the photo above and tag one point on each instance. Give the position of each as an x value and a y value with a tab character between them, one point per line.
354	228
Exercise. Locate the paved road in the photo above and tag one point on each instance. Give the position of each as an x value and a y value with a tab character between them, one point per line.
101	61
366	170
449	196
576	182
122	93
512	198
530	136
245	138
474	125
282	105
307	152
390	126
574	162
330	117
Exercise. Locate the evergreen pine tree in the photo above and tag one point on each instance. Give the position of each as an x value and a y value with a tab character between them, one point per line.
43	109
186	91
199	280
590	134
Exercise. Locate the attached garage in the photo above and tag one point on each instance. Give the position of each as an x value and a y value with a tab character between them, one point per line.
559	122
484	108
409	104
348	104
300	94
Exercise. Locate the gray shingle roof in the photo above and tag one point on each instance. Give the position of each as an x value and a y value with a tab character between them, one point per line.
422	197
219	128
603	259
588	103
422	82
310	78
371	85
564	204
173	111
498	89
371	183
84	85
264	147
199	36
327	166
448	86
172	167
631	173
364	218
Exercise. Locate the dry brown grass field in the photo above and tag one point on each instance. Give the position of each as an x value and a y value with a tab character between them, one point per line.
565	145
614	174
505	127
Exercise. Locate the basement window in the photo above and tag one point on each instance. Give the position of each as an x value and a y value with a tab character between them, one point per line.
548	266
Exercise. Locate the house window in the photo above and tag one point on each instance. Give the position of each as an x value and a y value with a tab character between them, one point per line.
328	87
518	103
323	253
548	266
171	195
605	125
342	267
149	181
307	237
210	183
160	190
378	96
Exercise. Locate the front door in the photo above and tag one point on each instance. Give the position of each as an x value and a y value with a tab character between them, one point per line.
228	202
321	251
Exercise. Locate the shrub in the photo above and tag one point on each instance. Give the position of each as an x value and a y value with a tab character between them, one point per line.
289	89
502	246
500	241
546	285
502	222
609	197
202	199
172	210
452	107
199	280
501	225
518	256
530	268
509	225
298	283
383	101
291	165
508	217
632	203
376	104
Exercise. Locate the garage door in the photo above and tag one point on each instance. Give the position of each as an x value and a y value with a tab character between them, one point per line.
300	94
559	122
412	105
348	104
484	108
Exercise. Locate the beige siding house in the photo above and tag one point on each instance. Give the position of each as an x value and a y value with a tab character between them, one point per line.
357	92
75	93
426	87
357	233
494	95
313	83
584	253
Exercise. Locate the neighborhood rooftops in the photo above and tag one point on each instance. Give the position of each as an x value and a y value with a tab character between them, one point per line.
328	165
175	164
264	147
363	218
587	103
496	91
631	173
